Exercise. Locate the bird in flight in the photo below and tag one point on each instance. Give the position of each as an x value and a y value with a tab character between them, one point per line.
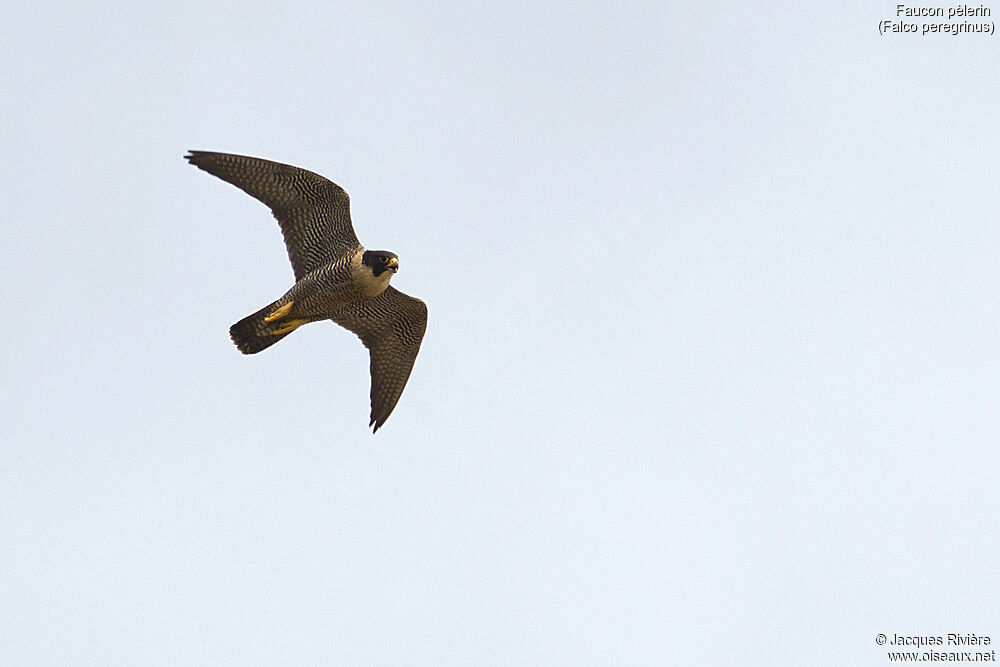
336	278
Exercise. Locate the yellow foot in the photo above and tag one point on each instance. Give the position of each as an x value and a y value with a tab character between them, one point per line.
278	313
289	326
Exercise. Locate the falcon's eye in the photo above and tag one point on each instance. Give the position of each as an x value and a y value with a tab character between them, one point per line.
385	259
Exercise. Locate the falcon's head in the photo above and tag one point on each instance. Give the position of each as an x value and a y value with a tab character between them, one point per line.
380	261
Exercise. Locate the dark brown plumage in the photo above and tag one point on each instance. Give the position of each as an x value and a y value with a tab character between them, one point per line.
336	278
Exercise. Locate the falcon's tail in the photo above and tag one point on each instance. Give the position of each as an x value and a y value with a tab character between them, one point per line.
252	334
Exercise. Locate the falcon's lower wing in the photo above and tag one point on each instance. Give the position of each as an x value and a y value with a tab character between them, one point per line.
391	325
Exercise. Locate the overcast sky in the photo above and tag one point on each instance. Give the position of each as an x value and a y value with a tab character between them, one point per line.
711	371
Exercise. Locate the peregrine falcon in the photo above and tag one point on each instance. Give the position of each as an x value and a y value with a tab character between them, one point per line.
336	278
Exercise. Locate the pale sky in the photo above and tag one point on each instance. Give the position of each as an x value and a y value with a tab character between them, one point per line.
711	371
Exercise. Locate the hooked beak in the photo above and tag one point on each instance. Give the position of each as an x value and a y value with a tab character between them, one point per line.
393	264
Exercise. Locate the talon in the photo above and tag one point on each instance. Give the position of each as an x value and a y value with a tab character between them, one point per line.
290	326
278	313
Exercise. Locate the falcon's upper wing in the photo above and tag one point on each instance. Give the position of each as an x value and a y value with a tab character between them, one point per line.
391	325
314	213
